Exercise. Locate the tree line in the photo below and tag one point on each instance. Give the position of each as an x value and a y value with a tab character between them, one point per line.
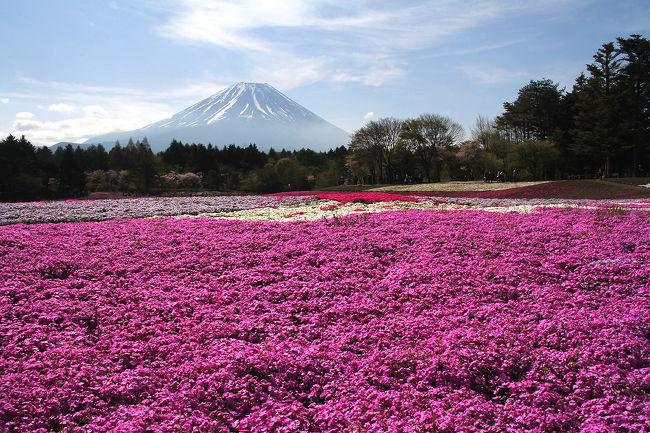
28	173
599	128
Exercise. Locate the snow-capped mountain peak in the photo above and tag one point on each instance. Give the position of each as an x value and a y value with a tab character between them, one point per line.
240	101
241	114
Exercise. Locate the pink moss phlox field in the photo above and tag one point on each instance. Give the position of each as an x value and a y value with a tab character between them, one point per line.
402	321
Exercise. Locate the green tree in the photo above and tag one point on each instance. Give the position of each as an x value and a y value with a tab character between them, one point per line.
597	135
19	174
366	153
71	176
175	156
635	90
95	158
290	175
375	145
47	167
144	166
117	158
535	159
428	137
534	114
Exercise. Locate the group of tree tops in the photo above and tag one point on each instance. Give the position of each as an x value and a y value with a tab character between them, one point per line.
599	128
28	173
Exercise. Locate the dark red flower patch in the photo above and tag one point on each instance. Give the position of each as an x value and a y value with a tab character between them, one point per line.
569	189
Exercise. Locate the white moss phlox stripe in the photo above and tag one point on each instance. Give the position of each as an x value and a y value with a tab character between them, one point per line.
312	211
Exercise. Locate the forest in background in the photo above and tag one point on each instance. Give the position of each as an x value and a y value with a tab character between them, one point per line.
600	128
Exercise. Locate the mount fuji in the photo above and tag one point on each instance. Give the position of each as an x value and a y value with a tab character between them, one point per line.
241	114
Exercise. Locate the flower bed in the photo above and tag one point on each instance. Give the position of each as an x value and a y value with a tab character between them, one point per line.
565	189
279	207
350	197
394	321
100	210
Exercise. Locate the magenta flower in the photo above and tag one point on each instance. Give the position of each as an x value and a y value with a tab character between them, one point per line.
400	321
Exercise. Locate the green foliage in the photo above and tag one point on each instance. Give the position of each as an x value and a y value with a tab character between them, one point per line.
428	137
536	157
291	175
374	147
72	181
534	114
611	122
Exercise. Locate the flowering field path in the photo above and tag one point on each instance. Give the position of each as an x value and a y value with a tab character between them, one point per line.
405	314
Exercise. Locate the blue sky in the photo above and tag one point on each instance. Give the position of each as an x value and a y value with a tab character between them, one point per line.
72	69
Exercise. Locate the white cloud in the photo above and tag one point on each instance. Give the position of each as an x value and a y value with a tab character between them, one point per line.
287	73
371	77
334	40
369	115
248	24
228	23
83	94
4	100
95	120
22	125
61	108
103	109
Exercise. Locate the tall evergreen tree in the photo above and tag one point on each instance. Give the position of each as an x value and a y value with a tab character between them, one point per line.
71	175
175	155
635	83
18	168
534	114
117	158
597	136
144	166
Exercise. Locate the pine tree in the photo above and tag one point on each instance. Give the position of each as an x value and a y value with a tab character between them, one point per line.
534	114
635	90
597	135
71	175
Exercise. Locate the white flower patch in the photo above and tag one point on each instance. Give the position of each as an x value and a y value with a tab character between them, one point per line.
322	209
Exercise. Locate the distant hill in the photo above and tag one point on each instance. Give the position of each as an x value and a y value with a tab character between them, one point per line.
241	114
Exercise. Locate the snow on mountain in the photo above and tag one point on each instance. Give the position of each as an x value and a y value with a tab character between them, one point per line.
241	101
241	114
